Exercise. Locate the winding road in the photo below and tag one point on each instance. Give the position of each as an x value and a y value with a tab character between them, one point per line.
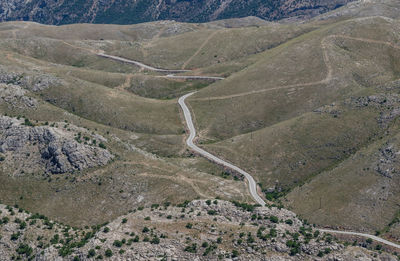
144	66
192	134
250	179
349	233
189	142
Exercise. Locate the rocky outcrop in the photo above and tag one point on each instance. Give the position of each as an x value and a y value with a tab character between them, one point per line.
15	97
388	164
198	230
28	148
128	12
33	82
387	103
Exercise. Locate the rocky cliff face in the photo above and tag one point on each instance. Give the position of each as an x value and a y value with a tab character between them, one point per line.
126	12
25	148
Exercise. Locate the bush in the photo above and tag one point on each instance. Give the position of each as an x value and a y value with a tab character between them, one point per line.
106	230
27	122
289	222
145	230
244	206
5	220
369	240
108	253
235	253
189	225
209	249
101	145
211	212
91	253
24	249
117	243
274	219
124	220
22	225
191	248
155	240
15	236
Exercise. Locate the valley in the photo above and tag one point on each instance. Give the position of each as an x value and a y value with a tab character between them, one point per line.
293	120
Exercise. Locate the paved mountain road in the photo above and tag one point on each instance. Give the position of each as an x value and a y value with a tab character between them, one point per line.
251	182
117	58
378	239
198	77
189	142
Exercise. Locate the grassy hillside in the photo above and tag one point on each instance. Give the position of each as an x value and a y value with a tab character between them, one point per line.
310	110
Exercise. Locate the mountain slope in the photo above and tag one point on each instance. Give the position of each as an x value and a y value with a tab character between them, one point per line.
311	110
127	12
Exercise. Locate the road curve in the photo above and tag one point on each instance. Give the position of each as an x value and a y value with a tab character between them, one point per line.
172	76
377	239
251	182
117	58
189	142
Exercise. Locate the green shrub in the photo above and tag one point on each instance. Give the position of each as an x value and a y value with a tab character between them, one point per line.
24	249
289	222
117	243
274	219
15	236
155	240
108	253
244	206
191	248
145	230
91	253
22	225
211	212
